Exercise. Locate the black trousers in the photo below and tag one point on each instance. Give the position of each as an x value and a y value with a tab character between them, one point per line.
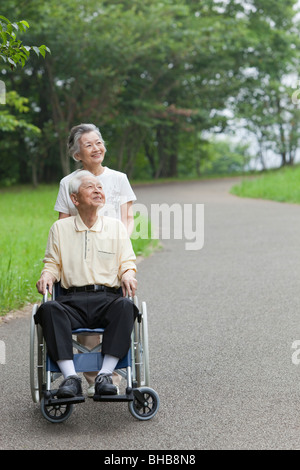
87	310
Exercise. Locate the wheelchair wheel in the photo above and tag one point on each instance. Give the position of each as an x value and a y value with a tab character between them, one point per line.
36	358
56	413
141	350
145	403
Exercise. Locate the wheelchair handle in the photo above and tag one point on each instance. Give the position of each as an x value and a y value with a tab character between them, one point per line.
45	296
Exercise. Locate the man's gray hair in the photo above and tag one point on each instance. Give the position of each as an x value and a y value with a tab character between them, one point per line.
76	181
75	135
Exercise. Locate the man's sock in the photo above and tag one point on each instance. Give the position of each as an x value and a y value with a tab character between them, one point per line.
109	364
67	367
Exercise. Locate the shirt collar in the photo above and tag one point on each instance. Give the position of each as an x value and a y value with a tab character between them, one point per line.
81	227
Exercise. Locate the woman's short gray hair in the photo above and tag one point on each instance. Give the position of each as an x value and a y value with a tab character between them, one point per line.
76	134
76	181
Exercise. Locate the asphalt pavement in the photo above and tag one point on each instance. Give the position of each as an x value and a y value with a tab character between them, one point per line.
224	321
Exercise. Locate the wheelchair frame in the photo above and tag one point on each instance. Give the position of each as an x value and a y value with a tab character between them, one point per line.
143	401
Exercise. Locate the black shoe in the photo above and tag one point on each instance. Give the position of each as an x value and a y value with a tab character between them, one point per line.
70	387
104	385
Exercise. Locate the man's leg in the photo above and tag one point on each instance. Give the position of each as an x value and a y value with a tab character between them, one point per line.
57	323
57	330
90	342
67	367
104	384
119	319
115	314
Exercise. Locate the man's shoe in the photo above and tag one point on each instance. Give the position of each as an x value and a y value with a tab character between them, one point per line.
104	385
70	387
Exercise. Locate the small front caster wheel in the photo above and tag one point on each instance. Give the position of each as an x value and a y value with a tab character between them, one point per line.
56	413
145	403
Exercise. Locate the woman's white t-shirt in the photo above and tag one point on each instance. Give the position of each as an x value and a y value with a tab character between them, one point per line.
116	188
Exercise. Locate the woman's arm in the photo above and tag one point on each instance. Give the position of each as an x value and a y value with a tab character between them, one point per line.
127	216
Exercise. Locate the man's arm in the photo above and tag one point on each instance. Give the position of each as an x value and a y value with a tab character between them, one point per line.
51	271
46	280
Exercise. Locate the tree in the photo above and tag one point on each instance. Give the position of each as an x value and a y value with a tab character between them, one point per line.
154	76
12	50
12	117
264	103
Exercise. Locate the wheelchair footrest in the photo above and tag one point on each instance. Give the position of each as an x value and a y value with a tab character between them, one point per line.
112	398
127	397
51	399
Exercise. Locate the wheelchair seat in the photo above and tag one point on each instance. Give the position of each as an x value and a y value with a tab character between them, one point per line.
90	360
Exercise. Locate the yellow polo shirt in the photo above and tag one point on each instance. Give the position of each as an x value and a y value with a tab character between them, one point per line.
78	256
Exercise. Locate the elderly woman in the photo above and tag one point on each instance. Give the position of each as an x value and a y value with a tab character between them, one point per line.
86	145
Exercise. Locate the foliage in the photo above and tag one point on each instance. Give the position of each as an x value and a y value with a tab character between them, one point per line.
264	104
12	50
12	119
225	157
10	122
277	185
156	77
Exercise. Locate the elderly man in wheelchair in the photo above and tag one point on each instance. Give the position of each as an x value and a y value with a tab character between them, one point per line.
92	257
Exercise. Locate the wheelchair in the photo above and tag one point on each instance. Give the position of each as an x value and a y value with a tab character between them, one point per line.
143	401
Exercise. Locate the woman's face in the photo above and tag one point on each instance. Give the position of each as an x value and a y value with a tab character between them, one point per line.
92	150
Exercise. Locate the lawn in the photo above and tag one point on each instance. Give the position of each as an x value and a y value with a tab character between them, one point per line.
278	185
26	216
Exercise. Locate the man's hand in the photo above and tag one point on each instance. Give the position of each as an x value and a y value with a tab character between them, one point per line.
46	280
129	283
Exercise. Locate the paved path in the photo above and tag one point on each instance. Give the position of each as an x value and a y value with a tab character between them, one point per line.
222	322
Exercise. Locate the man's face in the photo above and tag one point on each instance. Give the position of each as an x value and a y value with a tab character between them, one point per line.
90	194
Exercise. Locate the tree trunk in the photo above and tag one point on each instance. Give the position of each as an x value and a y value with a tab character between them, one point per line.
60	121
162	169
150	158
173	165
34	177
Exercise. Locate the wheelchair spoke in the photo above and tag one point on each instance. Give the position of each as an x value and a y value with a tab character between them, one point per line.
145	403
56	411
146	407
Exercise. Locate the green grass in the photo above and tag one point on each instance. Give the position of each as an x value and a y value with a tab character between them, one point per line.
25	217
278	185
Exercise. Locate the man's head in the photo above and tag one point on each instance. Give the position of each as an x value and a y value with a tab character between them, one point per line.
86	191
